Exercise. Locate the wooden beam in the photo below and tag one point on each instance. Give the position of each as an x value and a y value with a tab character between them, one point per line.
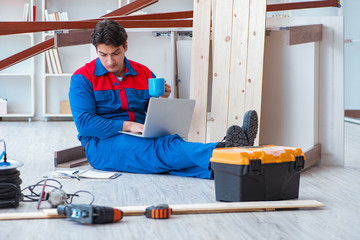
305	34
131	8
26	27
201	208
155	16
352	113
26	54
72	38
302	5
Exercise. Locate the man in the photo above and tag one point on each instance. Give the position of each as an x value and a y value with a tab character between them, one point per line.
110	94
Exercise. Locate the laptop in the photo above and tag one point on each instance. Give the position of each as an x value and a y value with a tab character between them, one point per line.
166	116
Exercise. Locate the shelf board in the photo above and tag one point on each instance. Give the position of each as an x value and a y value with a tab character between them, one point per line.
57	115
139	30
17	115
16	74
58	75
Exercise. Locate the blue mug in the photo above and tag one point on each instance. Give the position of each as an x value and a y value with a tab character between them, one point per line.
156	87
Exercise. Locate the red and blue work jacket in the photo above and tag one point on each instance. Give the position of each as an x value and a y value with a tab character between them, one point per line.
100	103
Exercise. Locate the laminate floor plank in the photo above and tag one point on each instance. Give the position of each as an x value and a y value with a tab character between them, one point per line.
34	144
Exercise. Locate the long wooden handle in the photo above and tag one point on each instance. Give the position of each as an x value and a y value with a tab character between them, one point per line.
218	207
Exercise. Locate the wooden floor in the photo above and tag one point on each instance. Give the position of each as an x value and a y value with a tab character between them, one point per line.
34	143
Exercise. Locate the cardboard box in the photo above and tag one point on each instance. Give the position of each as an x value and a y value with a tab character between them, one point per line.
3	106
257	173
65	107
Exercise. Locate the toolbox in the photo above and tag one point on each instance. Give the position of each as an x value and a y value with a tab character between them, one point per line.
261	173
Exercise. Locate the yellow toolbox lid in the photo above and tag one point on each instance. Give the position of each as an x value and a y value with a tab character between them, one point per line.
265	153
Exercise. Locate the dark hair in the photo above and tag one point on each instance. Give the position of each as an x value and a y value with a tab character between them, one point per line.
109	32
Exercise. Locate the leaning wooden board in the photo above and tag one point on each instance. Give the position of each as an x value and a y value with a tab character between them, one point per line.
217	207
200	68
238	56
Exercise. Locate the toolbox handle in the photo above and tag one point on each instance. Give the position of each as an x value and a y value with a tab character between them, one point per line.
299	163
255	166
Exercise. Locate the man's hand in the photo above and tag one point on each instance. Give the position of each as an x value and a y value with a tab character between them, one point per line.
132	127
167	91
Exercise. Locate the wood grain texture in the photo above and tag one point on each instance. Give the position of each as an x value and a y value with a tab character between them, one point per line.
27	53
255	59
199	73
302	5
34	144
352	113
305	34
199	208
221	69
239	55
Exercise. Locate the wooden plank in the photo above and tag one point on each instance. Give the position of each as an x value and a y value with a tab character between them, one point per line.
26	27
131	8
69	156
305	34
155	16
199	75
78	37
26	54
255	58
221	69
201	208
73	163
352	113
313	156
238	62
72	38
302	5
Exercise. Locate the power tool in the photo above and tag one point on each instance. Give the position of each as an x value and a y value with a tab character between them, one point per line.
90	214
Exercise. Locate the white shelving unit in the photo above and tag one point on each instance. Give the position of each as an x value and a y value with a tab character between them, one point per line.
56	86
17	82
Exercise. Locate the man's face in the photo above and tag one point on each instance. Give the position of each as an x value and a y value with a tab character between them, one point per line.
112	58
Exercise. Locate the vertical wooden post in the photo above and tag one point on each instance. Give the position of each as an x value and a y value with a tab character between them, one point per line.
200	68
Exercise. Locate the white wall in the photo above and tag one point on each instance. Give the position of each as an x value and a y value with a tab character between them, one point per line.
351	10
325	123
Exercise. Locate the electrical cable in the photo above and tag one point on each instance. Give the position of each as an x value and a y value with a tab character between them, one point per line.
10	181
35	194
11	195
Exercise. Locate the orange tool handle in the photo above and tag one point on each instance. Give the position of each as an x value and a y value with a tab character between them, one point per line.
162	211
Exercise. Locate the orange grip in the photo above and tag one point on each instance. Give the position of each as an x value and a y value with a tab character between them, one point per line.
162	211
118	215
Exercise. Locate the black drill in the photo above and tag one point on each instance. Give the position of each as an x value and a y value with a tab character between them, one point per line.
90	214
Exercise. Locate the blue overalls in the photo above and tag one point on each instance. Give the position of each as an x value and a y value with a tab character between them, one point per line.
100	103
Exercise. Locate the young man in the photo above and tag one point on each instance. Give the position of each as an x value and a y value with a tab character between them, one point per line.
110	94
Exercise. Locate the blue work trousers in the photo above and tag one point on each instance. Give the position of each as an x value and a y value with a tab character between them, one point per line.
169	154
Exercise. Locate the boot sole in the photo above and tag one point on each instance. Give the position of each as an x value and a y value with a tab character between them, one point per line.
236	137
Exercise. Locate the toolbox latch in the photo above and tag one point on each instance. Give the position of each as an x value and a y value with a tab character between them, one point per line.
255	166
299	163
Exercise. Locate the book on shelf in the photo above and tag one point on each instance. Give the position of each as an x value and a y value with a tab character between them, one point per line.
55	16
53	61
57	61
48	62
29	13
